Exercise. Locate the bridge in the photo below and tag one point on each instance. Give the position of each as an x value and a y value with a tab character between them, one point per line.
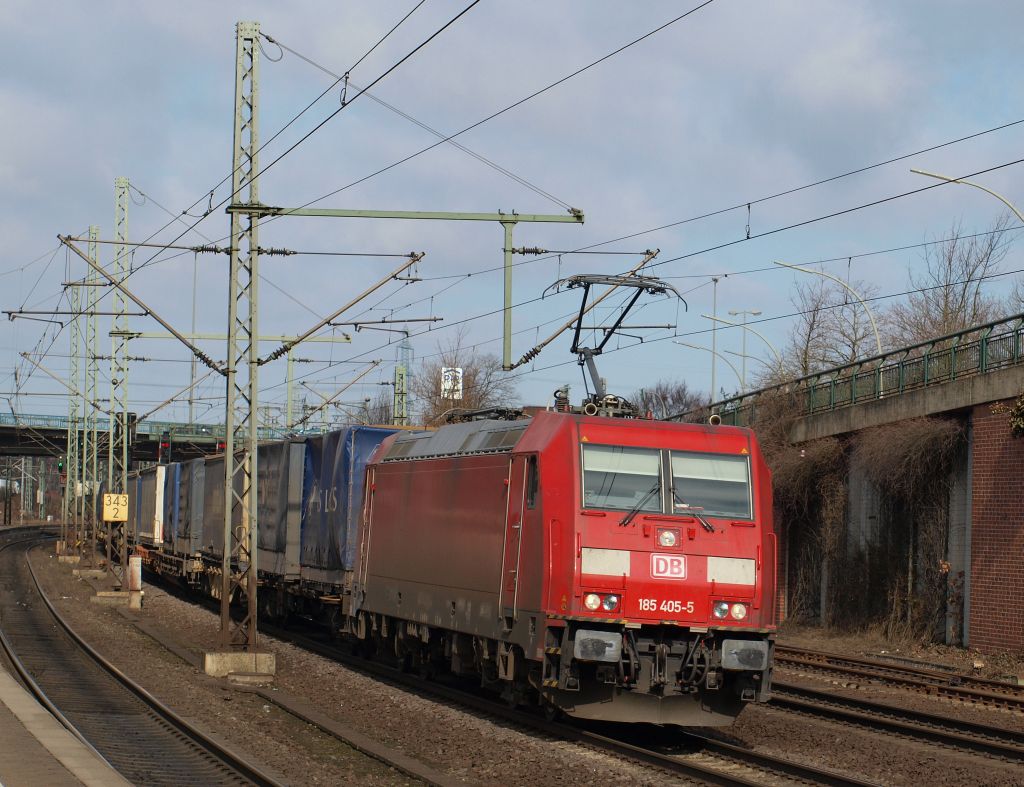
46	435
977	365
960	377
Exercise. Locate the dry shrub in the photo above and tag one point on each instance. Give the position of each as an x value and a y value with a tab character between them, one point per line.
901	582
910	463
809	486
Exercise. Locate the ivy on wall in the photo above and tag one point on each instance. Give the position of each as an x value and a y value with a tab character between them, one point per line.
1014	413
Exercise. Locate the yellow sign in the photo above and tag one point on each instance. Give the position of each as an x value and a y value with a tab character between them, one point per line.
115	508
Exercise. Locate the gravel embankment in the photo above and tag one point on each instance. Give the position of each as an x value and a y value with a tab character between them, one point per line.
463	744
452	740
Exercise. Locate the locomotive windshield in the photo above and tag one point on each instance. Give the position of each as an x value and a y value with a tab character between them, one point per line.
619	477
632	479
720	485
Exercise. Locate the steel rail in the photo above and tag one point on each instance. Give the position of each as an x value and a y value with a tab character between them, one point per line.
177	732
932	682
29	682
763	763
732	755
942	730
231	758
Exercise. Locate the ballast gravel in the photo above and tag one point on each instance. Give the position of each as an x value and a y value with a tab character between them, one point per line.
458	742
465	745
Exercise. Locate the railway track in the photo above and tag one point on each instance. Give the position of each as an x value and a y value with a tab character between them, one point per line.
142	739
936	683
950	733
686	754
677	753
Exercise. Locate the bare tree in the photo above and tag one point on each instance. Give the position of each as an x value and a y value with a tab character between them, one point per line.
484	384
807	348
1015	303
847	329
832	329
381	408
669	397
950	294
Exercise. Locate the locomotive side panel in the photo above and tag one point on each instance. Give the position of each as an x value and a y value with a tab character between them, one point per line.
435	542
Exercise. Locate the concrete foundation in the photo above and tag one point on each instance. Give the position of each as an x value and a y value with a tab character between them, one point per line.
68	558
89	573
223	664
135	599
114	598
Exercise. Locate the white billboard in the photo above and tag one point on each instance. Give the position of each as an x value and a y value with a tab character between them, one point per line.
451	382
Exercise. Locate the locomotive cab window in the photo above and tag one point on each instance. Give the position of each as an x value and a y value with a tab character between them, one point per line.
720	485
620	477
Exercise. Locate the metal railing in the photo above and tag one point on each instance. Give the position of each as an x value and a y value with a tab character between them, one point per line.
973	351
178	431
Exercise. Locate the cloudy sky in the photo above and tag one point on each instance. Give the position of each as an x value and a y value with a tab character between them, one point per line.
737	102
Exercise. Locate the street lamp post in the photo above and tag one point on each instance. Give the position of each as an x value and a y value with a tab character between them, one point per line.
761	361
758	334
999	197
853	292
714	353
714	334
744	314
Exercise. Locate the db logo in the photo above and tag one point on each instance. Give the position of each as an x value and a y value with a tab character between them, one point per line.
670	566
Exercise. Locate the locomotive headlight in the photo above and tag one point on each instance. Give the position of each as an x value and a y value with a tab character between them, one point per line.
721	609
610	603
592	601
668	538
738	611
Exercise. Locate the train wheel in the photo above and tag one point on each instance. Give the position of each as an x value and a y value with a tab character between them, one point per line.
424	664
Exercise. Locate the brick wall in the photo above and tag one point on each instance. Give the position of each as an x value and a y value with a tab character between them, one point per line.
997	534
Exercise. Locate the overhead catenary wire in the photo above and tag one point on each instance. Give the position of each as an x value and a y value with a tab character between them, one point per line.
319	125
278	133
773	196
773	318
220	250
463	277
929	148
27	265
840	305
849	257
719	211
515	104
824	217
439	134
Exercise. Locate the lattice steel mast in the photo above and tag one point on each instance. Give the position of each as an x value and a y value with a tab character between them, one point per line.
117	443
241	425
72	468
91	350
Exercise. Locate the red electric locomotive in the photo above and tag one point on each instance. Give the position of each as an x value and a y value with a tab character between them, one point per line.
612	568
